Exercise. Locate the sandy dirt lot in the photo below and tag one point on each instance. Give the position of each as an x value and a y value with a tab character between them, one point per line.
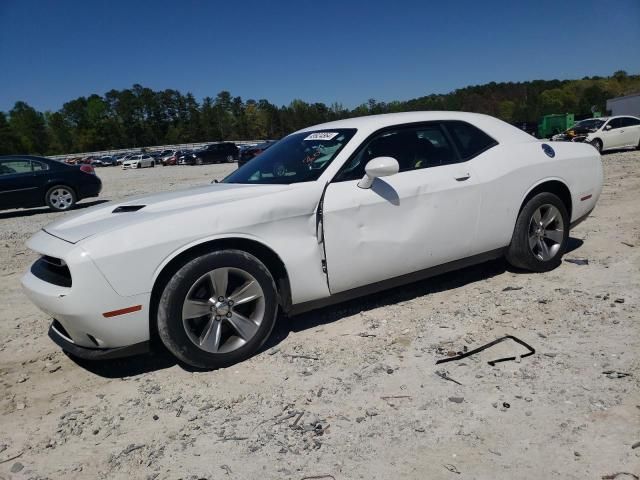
352	391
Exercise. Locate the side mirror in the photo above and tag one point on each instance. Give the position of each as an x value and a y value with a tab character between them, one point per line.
378	167
607	127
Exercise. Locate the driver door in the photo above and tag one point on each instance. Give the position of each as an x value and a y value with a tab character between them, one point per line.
421	217
18	185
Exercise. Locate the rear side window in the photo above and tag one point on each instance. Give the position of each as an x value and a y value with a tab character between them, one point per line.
470	140
37	166
630	122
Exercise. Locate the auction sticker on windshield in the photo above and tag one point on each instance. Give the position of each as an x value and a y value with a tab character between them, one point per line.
321	136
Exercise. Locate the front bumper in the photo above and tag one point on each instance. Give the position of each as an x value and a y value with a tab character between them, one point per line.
85	309
95	353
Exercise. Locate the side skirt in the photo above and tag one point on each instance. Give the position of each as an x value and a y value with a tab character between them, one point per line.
395	282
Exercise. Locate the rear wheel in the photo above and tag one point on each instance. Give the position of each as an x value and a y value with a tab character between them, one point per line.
540	235
218	309
229	158
60	198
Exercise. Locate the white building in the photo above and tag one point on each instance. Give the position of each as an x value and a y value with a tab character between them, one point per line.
627	105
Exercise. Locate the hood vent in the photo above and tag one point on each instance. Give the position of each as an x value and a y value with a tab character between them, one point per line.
127	208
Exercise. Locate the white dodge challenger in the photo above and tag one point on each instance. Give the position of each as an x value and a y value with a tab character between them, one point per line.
328	213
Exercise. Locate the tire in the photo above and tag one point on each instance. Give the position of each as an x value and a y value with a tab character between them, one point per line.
229	159
598	144
153	164
534	247
198	161
190	310
60	198
139	165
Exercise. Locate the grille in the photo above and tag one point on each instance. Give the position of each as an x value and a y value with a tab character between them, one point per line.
52	270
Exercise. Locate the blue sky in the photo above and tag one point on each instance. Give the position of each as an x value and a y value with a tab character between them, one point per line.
318	51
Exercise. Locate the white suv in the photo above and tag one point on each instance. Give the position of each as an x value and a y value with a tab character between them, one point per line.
613	132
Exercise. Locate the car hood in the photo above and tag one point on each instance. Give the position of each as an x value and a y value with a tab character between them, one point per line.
74	227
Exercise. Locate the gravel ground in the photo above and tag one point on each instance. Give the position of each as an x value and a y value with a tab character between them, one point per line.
352	391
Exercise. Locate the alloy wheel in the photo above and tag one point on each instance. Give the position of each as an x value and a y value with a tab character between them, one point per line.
223	310
61	198
546	232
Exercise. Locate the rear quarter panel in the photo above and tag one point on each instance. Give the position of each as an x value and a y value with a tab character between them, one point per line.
512	171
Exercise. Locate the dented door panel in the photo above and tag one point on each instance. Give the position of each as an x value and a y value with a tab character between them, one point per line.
403	224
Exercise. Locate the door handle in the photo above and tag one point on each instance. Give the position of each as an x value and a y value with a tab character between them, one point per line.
462	177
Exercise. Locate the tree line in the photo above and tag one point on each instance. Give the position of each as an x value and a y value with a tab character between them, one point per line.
139	116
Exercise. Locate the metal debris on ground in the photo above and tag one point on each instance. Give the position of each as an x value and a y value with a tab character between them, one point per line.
613	476
577	261
511	289
12	458
295	423
614	374
451	468
307	357
445	376
491	344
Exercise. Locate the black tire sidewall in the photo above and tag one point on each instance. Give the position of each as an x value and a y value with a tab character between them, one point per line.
171	329
598	144
519	254
47	197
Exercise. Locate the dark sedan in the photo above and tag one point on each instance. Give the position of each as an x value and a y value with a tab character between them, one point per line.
214	153
27	181
253	151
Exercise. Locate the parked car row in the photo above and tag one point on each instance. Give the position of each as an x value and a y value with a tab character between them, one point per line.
219	152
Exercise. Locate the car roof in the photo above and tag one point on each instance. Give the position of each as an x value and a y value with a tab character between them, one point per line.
501	131
32	157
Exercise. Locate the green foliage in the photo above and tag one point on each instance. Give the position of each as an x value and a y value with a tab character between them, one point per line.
139	116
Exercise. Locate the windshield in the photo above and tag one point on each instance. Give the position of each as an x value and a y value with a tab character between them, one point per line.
301	157
590	124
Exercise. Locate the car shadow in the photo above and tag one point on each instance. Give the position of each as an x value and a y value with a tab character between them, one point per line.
28	212
160	358
617	150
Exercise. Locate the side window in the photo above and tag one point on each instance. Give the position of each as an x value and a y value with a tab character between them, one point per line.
630	122
413	147
470	140
615	123
38	167
11	167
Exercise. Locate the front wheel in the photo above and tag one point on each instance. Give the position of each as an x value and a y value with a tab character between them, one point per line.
229	158
541	233
598	144
60	198
218	309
